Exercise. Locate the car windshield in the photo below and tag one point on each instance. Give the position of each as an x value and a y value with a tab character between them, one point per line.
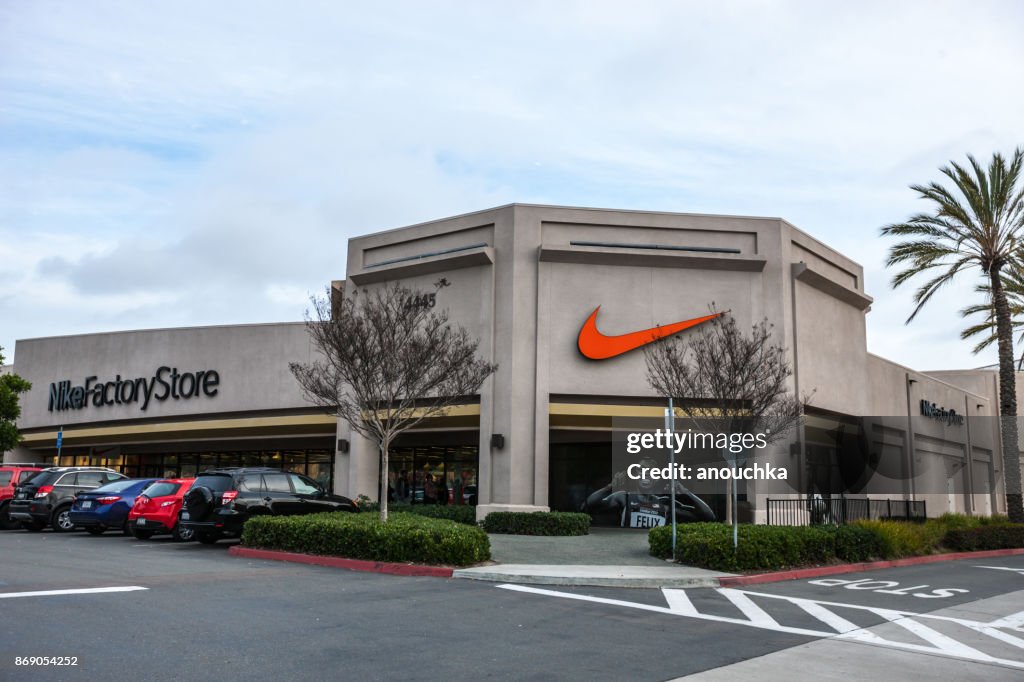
27	476
116	486
215	482
161	489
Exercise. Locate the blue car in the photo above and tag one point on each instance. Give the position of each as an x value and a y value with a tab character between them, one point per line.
108	506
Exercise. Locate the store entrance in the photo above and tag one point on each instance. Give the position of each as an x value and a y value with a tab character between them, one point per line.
433	474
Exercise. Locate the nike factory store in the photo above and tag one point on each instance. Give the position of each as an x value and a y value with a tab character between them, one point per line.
562	300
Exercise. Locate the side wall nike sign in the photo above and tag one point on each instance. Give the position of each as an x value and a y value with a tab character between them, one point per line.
596	346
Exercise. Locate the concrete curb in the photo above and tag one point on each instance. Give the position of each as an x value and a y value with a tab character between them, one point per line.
817	572
341	562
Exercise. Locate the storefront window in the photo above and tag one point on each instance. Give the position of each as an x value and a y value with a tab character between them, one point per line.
433	474
316	464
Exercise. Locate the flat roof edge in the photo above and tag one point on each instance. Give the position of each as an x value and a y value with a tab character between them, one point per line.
931	376
558	207
162	329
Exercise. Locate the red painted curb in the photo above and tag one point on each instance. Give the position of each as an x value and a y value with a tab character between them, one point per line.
798	573
341	562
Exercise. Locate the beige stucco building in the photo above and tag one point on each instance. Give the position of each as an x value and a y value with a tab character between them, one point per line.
523	279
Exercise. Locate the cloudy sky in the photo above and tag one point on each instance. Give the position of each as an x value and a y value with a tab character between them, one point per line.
189	163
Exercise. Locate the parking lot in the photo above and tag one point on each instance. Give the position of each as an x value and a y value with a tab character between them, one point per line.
183	609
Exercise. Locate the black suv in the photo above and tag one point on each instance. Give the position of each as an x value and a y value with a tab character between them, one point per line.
221	500
46	498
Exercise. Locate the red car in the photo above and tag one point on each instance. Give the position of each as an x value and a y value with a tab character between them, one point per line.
11	476
156	510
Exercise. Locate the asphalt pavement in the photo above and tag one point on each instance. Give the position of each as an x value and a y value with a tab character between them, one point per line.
193	611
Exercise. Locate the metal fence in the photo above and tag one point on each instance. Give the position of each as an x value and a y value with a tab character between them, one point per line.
805	511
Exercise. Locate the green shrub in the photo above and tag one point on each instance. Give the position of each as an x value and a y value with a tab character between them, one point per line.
994	519
365	504
458	513
537	523
856	543
760	547
951	521
988	536
900	539
404	538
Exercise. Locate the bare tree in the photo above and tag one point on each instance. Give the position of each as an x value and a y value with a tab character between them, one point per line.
387	361
728	382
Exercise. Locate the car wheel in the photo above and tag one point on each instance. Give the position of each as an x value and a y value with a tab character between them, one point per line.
95	530
207	538
34	526
126	529
183	534
142	534
61	521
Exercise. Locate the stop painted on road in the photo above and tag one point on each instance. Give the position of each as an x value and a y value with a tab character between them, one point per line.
890	587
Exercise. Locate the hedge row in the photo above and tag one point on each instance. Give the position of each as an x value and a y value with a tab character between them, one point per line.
537	523
760	547
459	513
774	547
405	538
993	536
462	513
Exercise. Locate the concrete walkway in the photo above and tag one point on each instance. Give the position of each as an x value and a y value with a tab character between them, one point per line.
665	575
604	546
608	557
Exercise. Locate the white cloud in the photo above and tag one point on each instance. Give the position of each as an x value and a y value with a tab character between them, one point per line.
191	163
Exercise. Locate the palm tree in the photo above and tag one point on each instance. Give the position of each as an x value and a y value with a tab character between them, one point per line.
978	224
1013	284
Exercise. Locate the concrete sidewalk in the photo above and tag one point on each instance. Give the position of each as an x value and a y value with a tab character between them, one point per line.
665	575
603	547
607	557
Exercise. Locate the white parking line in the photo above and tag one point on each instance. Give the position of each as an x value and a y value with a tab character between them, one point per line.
1018	571
84	590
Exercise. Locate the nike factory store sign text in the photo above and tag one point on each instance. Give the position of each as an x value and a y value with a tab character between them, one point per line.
165	383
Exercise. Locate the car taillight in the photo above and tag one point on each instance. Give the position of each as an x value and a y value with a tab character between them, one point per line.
228	496
44	491
168	503
109	500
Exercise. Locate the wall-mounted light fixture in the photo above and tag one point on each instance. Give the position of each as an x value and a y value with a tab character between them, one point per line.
342	445
497	440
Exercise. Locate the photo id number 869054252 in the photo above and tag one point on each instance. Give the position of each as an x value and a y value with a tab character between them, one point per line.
45	660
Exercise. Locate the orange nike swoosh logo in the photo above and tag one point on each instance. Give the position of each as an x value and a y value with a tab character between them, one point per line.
596	346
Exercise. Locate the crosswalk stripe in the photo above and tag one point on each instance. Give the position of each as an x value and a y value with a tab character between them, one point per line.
938	640
1014	621
679	602
833	620
754	613
997	634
